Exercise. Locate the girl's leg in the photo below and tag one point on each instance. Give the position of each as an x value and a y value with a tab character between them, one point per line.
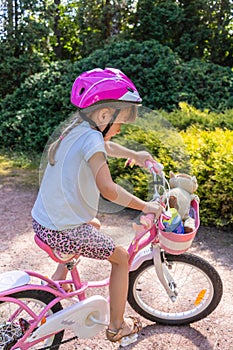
60	274
118	288
61	270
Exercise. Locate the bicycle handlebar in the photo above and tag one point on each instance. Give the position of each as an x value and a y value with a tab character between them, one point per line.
156	169
154	166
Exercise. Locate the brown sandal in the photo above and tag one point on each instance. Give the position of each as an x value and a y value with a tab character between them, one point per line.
117	335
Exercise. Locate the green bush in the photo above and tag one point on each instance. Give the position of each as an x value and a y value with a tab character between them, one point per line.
205	85
188	115
30	114
211	156
206	154
152	133
14	70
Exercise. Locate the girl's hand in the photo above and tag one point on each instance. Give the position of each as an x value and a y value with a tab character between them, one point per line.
141	157
154	208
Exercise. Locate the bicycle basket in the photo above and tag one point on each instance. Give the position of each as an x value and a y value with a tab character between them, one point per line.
174	243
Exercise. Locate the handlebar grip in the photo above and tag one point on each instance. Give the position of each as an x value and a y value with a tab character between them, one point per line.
147	220
154	166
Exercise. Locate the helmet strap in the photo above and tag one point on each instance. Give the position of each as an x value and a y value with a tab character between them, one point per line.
90	121
105	131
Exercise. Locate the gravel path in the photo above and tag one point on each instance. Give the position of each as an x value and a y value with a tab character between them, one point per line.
18	251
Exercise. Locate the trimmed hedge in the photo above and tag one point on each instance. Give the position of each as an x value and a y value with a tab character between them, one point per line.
206	154
187	115
211	157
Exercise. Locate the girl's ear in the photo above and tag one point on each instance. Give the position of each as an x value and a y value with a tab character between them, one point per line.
104	115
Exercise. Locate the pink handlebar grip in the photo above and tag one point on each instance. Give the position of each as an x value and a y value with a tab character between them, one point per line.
154	166
147	220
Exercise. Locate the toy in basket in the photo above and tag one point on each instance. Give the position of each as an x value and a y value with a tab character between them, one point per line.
177	232
175	243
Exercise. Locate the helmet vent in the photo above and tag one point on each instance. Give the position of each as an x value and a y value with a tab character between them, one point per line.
130	89
81	91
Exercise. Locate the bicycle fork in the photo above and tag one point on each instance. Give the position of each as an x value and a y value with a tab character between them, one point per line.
163	274
162	269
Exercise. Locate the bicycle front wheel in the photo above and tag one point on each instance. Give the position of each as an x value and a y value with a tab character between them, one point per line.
13	318
198	286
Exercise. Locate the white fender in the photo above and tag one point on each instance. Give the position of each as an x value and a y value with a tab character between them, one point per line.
13	279
144	254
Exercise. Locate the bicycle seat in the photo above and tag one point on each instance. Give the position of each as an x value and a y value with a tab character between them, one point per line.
54	253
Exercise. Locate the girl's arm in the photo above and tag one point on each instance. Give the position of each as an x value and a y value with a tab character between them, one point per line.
115	150
116	193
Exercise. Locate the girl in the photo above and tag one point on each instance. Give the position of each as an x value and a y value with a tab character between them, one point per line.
77	173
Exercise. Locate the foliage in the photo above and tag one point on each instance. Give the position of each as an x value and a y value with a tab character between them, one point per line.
22	43
9	160
31	113
96	23
193	29
37	32
19	169
211	161
154	134
211	156
187	115
200	81
13	70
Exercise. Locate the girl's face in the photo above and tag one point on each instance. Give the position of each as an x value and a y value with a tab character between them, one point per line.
114	130
116	127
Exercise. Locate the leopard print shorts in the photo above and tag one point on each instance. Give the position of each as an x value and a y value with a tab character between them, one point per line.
85	240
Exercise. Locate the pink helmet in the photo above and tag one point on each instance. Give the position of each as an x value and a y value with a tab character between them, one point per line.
99	85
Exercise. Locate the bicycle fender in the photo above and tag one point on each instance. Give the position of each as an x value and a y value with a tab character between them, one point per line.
13	279
143	255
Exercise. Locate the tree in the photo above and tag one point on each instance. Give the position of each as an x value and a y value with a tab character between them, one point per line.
57	31
88	25
23	38
192	28
220	50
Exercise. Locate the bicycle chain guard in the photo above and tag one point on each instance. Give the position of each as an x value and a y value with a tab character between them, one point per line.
85	318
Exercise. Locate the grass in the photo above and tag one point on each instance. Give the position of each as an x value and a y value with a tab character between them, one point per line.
18	169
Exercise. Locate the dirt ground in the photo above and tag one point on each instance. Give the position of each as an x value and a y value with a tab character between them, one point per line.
18	251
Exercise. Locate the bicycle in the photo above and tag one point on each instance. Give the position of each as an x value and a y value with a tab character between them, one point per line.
166	285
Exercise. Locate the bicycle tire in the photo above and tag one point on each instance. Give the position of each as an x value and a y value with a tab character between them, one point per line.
39	298
198	284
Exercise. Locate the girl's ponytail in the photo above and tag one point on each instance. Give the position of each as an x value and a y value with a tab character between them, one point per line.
54	146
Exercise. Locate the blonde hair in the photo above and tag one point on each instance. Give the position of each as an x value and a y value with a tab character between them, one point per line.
54	146
77	119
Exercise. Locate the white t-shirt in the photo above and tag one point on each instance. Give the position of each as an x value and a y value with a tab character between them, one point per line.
68	194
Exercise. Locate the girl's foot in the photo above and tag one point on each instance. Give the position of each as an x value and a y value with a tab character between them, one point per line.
60	274
130	326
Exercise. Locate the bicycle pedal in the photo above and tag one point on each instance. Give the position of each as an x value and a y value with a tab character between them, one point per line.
125	341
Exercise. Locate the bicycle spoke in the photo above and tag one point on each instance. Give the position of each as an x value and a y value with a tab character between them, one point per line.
196	285
15	320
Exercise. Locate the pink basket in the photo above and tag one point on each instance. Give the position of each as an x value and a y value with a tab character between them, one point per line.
174	243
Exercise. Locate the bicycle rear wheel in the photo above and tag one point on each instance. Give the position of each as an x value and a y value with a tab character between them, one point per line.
198	285
11	313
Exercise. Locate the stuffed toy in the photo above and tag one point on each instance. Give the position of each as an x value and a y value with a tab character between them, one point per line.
182	191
